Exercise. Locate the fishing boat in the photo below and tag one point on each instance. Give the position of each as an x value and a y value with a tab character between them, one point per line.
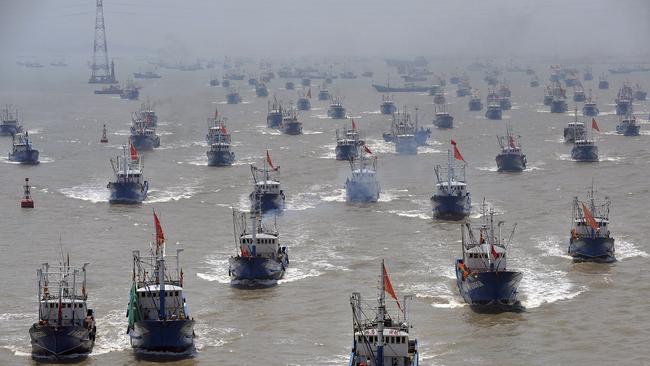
403	133
571	80
348	143
130	91
303	103
558	102
66	326
454	79
233	96
158	315
534	82
143	135
147	114
290	124
214	80
493	111
591	239
260	260
579	93
408	87
289	85
439	98
452	200
464	89
110	89
323	93
628	126
590	109
261	90
305	82
274	114
484	281
639	93
510	158
587	74
624	100
387	105
225	83
475	103
574	129
379	339
362	186
267	193
252	80
146	75
9	124
219	140
443	118
504	90
548	95
27	201
336	109
129	186
367	74
505	103
23	151
602	82
584	148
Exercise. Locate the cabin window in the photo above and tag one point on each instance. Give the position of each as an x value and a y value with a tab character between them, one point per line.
176	293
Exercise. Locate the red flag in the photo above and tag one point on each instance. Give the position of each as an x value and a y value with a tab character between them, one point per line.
223	129
365	147
388	287
309	93
589	217
268	160
457	154
134	153
494	251
354	125
160	236
511	141
216	113
594	125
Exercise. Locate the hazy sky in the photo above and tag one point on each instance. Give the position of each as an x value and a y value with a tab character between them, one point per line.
207	28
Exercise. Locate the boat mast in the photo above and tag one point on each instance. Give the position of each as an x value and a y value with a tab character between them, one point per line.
450	171
380	318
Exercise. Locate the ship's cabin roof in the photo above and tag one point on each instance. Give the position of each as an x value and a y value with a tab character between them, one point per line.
270	183
576	124
454	184
363	172
584	142
156	288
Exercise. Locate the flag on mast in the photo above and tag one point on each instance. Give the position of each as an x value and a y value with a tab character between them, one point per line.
160	235
134	153
457	154
589	217
367	149
268	160
354	125
388	287
594	125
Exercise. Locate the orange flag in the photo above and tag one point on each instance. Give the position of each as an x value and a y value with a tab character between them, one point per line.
354	125
494	251
388	287
134	153
457	154
367	149
589	217
594	125
160	236
268	160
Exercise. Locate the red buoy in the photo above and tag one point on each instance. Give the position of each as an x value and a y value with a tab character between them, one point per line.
27	201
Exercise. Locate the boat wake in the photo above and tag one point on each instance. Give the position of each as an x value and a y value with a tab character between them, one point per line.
626	249
173	193
207	336
542	285
92	192
111	330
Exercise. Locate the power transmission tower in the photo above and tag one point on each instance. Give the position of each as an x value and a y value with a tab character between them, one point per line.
101	73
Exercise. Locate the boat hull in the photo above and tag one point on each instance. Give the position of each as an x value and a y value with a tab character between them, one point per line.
145	142
173	336
421	136
494	114
444	122
268	201
127	193
488	289
336	113
558	106
8	130
346	152
592	249
451	207
623	109
220	158
387	108
590	111
628	130
475	105
584	153
27	157
257	271
361	191
511	162
303	104
274	120
294	128
387	89
73	340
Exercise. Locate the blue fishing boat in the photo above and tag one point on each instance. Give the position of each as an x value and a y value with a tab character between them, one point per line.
9	123
483	279
233	96
574	129
146	75
143	136
274	114
587	74
66	327
443	119
348	143
628	126
493	111
387	105
305	82
379	338
590	239
464	89
624	100
579	94
323	93
534	82
146	114
159	321
129	186
130	91
261	260
558	101
267	193
505	103
504	90
261	90
439	98
452	200
584	148
303	103
403	133
23	151
290	85
602	82
252	80
225	83
336	109
571	80
639	93
475	103
214	80
219	140
110	89
290	124
590	109
510	158
362	186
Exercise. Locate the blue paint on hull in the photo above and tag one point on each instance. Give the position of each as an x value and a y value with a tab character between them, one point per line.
270	201
489	288
173	336
493	113
257	271
361	192
56	342
590	111
585	153
475	105
387	108
145	142
8	130
27	157
346	152
628	129
558	106
511	162
293	128
220	158
303	104
127	193
451	207
592	249
274	119
336	113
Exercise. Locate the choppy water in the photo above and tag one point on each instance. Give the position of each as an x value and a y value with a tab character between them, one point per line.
576	314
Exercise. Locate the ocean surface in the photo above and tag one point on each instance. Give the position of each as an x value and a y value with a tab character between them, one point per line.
576	314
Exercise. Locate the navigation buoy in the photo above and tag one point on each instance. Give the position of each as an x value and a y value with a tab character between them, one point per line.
104	137
27	201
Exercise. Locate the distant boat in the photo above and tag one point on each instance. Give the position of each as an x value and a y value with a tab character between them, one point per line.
130	91
348	75
348	143
146	75
403	133
534	82
128	186
367	74
380	339
290	124
59	64
23	151
110	89
261	260
336	109
443	119
475	103
305	82
323	93
66	328
143	133
510	157
387	105
639	93
439	98
493	111
274	114
159	320
628	126
591	239
219	141
602	82
261	90
214	80
579	94
624	100
587	74
9	122
590	109
558	102
289	85
464	89
483	279
362	185
571	80
267	193
505	103
574	129
303	103
406	88
233	96
584	148
452	200
548	95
